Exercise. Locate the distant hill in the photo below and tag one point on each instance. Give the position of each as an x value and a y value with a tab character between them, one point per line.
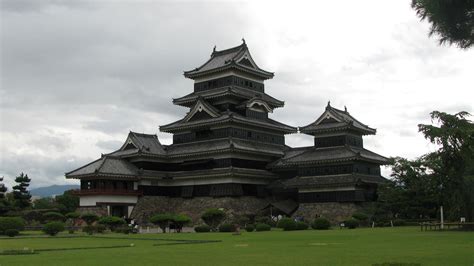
52	190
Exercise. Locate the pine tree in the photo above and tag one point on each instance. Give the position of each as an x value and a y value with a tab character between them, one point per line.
21	195
4	204
3	189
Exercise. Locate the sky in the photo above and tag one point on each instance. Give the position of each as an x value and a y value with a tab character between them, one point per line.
77	76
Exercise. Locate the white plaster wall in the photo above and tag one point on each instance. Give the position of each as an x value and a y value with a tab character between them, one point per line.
92	200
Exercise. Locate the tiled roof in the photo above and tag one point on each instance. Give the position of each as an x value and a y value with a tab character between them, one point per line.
338	120
313	155
224	144
331	180
188	100
228	117
228	59
107	165
225	171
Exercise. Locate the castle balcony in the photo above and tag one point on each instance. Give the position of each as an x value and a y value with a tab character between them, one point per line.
107	191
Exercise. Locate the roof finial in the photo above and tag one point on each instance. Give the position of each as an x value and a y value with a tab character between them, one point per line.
329	105
214	50
243	40
345	109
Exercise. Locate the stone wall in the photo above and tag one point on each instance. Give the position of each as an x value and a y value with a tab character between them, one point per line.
147	206
98	210
335	212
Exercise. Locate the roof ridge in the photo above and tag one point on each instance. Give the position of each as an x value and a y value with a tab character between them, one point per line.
229	50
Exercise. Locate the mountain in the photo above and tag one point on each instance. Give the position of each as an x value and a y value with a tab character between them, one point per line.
52	190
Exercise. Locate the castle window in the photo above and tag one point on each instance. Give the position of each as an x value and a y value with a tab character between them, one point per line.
249	134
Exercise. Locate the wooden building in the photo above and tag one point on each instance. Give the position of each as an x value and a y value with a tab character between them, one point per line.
228	146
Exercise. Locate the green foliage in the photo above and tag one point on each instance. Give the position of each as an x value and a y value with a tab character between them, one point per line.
451	20
249	228
162	220
12	232
73	215
67	202
202	229
351	223
112	222
287	224
32	216
262	227
53	216
360	216
213	217
21	195
100	228
53	228
301	226
6	223
226	228
265	220
179	221
89	218
321	224
89	229
399	222
44	203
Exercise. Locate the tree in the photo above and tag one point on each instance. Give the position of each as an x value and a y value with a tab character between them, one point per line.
89	218
67	202
21	194
44	203
453	162
4	205
451	20
213	217
162	220
112	222
179	221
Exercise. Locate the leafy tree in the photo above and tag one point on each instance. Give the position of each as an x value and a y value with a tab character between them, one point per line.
451	20
44	203
162	220
53	216
213	217
89	218
453	163
4	204
68	202
179	221
112	222
21	194
53	228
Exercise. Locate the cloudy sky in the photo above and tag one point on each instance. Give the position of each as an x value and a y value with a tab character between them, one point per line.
76	76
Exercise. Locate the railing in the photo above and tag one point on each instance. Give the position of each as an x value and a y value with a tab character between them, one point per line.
107	191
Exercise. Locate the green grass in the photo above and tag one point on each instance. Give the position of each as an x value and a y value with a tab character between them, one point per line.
310	247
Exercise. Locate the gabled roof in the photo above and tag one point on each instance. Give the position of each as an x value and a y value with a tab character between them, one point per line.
256	101
239	92
228	117
146	143
335	120
201	105
105	166
314	155
233	58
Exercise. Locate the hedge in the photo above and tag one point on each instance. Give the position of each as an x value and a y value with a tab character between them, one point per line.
6	223
53	228
287	224
226	228
202	229
250	228
262	227
321	224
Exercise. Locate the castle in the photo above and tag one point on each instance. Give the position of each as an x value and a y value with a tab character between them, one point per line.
228	153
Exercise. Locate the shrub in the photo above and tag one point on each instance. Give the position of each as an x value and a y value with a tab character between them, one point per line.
265	220
124	229
250	228
89	229
321	224
162	220
213	217
112	222
53	228
100	228
53	216
6	223
179	221
360	216
262	227
287	224
351	223
226	228
73	215
399	222
301	226
202	229
71	231
11	232
89	218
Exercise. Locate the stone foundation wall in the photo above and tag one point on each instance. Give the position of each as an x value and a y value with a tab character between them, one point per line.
147	206
335	212
98	210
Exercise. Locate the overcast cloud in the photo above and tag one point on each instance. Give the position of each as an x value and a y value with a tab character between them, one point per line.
76	76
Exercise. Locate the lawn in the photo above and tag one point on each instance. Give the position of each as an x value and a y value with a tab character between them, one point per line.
310	247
